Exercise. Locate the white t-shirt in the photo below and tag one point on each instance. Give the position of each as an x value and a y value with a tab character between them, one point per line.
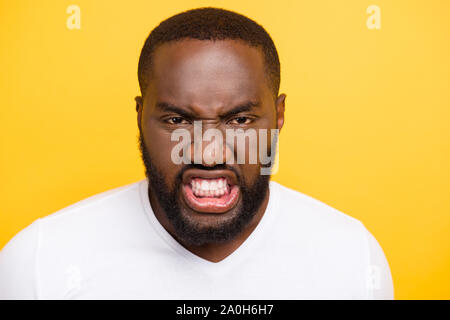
111	246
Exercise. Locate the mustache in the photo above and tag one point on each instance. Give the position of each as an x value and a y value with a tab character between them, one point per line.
208	168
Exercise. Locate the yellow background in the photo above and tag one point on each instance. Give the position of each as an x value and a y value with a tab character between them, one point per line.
367	127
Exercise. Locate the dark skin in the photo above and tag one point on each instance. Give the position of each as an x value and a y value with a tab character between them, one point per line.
208	81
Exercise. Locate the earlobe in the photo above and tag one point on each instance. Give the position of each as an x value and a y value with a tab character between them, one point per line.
138	100
280	110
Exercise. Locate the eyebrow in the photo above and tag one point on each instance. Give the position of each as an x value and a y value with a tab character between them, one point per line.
168	107
245	107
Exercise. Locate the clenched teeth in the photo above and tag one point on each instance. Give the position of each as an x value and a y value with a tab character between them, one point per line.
209	187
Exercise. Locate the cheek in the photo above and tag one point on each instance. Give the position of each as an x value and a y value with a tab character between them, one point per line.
261	150
257	145
250	174
159	147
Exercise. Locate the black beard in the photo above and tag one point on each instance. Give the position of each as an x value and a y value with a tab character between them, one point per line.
188	231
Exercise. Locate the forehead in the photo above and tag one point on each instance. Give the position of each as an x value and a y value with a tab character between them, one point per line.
205	72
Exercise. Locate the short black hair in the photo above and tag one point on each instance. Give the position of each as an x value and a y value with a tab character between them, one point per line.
210	23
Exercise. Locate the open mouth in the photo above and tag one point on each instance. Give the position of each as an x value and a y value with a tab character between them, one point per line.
210	194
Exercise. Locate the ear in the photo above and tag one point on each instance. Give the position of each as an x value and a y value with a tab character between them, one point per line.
139	106
280	110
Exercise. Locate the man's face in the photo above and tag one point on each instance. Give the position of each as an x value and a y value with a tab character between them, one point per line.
223	84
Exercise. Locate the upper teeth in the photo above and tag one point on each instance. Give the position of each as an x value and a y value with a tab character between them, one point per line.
209	187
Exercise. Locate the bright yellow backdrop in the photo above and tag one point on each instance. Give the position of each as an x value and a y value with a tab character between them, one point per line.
367	128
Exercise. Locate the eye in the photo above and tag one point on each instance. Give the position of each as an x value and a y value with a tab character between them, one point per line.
241	120
176	120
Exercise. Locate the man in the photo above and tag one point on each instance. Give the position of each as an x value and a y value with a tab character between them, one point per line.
209	227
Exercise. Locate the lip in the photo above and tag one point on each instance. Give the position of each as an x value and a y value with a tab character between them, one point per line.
210	204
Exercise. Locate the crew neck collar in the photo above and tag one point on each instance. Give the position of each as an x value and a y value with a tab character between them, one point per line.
241	252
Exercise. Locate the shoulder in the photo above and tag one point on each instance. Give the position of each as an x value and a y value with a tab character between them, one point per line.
94	221
328	238
107	201
83	228
83	218
18	264
96	206
303	220
105	205
299	207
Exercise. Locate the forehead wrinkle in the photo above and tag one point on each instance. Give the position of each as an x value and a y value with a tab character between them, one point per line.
222	111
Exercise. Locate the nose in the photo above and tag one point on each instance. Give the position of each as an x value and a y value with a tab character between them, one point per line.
210	148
